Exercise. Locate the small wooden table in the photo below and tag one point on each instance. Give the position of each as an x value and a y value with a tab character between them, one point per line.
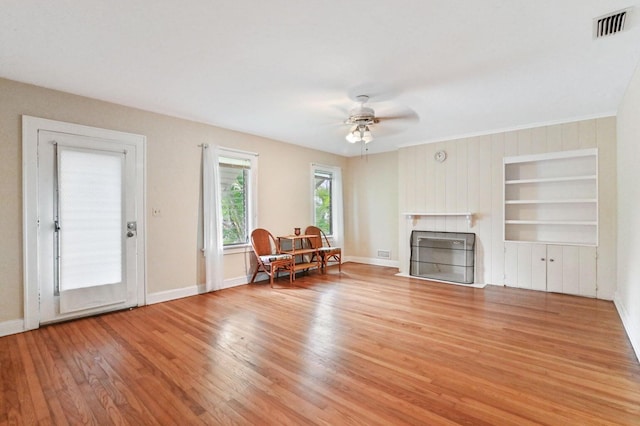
297	249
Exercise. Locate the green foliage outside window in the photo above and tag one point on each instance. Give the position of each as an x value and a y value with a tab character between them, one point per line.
322	199
234	208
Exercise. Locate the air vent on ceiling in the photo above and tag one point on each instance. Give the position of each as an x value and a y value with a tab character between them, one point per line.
609	24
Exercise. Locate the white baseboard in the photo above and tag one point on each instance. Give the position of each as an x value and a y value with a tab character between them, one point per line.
179	293
632	329
373	261
234	282
11	327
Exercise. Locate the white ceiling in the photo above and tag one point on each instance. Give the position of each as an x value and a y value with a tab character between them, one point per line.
288	70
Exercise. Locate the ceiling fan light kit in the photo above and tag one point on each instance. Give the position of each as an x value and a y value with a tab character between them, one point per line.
360	134
362	118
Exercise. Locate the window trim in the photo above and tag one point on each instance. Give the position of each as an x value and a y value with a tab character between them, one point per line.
252	196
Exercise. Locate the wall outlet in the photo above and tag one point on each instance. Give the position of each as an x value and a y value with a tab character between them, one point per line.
384	254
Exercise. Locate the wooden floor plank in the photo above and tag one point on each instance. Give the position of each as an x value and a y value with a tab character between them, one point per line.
358	347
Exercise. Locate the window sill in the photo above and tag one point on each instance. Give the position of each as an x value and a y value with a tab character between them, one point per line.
236	249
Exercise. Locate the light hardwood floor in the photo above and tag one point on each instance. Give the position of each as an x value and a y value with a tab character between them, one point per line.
361	347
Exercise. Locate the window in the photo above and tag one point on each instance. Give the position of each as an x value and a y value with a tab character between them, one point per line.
237	196
323	200
326	192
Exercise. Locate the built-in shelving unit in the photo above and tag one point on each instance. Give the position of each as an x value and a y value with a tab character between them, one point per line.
552	198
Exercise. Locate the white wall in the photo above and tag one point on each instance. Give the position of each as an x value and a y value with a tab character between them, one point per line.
627	296
470	180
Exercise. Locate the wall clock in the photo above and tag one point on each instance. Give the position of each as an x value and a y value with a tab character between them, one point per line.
440	156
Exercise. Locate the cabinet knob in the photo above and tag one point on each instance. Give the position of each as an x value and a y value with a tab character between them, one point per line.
550	260
542	259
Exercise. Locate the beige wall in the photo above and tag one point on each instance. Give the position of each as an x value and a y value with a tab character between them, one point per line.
628	292
470	180
173	184
371	207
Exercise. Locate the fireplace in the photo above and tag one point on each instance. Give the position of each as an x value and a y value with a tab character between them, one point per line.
443	256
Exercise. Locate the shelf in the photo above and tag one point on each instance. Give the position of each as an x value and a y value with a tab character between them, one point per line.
299	252
560	155
551	222
550	180
552	198
305	265
568	201
415	215
437	214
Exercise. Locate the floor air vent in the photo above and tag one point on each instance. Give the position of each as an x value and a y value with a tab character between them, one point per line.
384	254
609	24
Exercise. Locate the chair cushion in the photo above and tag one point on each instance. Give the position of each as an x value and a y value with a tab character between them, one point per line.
324	249
273	257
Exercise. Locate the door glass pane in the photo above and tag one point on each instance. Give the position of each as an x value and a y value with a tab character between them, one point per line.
90	186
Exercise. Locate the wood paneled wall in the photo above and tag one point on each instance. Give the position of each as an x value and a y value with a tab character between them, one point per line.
470	180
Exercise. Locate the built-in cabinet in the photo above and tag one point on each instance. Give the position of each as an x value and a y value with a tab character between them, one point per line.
551	221
552	198
566	269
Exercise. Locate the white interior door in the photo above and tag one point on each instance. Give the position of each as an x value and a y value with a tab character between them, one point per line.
88	220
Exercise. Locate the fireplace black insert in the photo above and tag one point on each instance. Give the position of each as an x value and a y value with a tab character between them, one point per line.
443	256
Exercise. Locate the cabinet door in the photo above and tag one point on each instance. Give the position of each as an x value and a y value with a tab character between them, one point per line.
539	267
554	269
524	265
571	270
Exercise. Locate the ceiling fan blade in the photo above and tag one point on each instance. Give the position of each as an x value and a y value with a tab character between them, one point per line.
333	115
408	116
395	113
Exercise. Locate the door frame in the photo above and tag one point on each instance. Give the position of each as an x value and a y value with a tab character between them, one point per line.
31	126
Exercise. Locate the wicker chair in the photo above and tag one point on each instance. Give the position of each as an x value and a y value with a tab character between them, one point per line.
321	243
268	255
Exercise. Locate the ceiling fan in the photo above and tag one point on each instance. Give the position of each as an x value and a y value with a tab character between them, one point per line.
362	118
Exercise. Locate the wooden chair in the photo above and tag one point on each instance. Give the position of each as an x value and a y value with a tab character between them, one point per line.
321	243
268	255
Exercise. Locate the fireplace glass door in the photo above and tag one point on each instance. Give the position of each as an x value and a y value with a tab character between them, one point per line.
443	256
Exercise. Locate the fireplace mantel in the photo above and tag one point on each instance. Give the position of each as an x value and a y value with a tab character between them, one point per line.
417	215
